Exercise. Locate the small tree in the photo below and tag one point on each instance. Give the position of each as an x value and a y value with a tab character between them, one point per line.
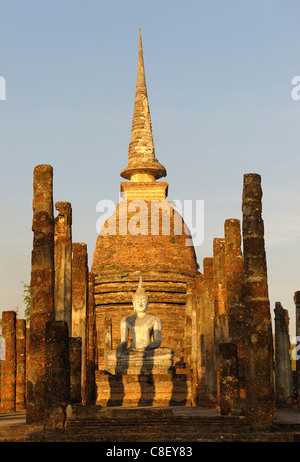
27	300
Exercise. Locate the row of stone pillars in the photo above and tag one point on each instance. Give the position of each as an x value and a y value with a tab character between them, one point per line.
62	308
60	345
229	313
229	309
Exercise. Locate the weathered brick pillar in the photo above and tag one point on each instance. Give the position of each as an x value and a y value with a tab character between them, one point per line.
188	323
220	299
283	367
228	377
8	373
297	306
220	291
75	344
27	358
209	330
195	339
57	374
21	364
80	273
42	289
234	268
63	263
260	407
198	345
89	384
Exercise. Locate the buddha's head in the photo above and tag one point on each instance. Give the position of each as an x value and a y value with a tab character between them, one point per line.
140	299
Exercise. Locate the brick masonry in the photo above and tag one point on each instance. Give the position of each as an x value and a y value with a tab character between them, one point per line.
258	329
42	289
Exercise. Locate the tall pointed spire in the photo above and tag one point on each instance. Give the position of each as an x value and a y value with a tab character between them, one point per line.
142	163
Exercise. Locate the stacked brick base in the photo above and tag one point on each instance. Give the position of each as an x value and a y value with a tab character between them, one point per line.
173	389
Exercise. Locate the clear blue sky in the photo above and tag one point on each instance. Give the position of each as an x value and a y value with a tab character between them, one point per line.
219	84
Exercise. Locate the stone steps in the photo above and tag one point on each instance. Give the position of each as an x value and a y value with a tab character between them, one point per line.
165	426
286	427
18	433
159	437
97	424
142	424
154	437
94	423
13	430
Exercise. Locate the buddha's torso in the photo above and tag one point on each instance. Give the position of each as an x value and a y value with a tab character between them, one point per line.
142	329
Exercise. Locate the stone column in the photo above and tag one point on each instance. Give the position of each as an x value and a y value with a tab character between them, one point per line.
42	289
21	364
220	299
234	268
188	323
80	273
8	372
209	330
57	374
63	263
107	339
75	369
89	383
27	358
260	407
220	291
297	305
283	367
195	343
228	377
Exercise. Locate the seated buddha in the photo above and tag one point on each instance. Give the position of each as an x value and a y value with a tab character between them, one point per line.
144	354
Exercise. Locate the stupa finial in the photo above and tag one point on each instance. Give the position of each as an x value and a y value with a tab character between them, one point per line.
142	163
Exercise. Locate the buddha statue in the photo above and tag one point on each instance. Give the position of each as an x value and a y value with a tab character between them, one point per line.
144	328
144	354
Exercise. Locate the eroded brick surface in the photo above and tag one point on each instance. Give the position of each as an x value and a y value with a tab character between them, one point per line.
42	289
258	331
9	364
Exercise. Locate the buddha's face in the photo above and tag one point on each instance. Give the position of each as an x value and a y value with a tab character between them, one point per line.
140	303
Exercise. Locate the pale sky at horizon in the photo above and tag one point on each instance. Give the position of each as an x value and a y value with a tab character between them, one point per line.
219	84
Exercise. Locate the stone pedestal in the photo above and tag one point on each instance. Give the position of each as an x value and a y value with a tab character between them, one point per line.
169	389
158	361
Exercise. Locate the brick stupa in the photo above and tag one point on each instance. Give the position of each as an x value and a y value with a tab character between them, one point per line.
165	262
